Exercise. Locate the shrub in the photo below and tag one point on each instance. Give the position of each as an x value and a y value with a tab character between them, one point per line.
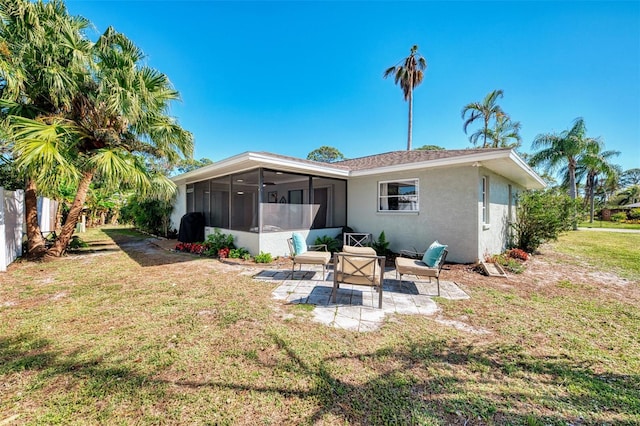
239	253
619	217
195	248
333	245
263	258
77	243
634	214
381	245
518	254
541	217
223	253
218	240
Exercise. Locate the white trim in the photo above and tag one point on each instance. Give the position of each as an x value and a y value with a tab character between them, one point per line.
414	181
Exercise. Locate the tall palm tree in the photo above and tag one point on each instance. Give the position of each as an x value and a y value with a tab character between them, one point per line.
564	149
409	73
595	164
117	118
486	110
505	133
42	55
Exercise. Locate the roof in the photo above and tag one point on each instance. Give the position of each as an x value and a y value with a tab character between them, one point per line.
395	158
503	161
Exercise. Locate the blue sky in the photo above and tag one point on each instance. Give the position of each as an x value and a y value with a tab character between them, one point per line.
289	77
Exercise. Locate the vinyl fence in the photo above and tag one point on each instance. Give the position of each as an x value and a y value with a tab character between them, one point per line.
11	226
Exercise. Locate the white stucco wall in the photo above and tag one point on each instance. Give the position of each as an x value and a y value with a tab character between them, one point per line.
494	236
179	206
272	242
448	211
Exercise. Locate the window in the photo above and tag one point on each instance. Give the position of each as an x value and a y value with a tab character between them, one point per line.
484	198
399	195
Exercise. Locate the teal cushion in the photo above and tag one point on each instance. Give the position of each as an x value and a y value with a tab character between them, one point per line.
433	254
299	244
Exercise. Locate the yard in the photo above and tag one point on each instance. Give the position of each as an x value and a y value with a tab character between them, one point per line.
128	333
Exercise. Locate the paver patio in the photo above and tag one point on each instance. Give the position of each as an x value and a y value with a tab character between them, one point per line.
356	306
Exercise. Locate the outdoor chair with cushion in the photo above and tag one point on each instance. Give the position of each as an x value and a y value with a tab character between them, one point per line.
428	265
308	255
359	266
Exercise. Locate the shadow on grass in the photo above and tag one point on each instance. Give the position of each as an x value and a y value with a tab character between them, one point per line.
395	396
139	248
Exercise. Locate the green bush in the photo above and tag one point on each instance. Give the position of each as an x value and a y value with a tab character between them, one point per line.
541	217
381	245
238	253
263	258
152	216
333	245
217	241
634	214
618	217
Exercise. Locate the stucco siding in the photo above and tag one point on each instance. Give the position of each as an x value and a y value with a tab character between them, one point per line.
179	206
447	211
494	237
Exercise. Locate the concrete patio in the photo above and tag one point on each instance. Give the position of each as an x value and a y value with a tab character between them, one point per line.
356	306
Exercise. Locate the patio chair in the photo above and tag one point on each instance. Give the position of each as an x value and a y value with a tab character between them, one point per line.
310	255
356	239
359	266
428	264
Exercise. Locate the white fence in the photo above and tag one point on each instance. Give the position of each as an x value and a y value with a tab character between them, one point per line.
11	226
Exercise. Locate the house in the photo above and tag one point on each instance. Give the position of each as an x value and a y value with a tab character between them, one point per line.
463	198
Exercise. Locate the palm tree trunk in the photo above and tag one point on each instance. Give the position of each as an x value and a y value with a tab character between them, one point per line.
572	189
591	181
35	242
409	135
72	218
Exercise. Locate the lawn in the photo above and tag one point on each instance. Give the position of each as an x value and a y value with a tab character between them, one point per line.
609	225
128	334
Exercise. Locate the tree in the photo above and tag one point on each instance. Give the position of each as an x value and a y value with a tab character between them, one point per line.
43	57
486	110
564	149
114	120
408	73
190	164
430	148
505	133
541	217
630	177
595	164
629	195
325	154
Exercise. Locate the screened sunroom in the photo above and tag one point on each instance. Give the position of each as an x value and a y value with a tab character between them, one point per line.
261	206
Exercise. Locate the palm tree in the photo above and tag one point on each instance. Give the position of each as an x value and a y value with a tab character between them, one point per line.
42	53
564	149
116	120
408	73
506	133
485	110
595	164
629	195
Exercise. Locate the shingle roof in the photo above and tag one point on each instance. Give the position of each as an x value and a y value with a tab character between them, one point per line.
395	158
337	165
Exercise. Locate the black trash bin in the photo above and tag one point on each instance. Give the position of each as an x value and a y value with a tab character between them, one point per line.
191	228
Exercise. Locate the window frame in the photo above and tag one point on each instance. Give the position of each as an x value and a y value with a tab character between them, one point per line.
414	181
484	200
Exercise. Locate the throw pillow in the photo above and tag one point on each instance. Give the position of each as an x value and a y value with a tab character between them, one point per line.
433	254
299	244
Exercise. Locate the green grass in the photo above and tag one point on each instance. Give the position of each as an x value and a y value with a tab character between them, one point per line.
609	251
140	337
609	225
